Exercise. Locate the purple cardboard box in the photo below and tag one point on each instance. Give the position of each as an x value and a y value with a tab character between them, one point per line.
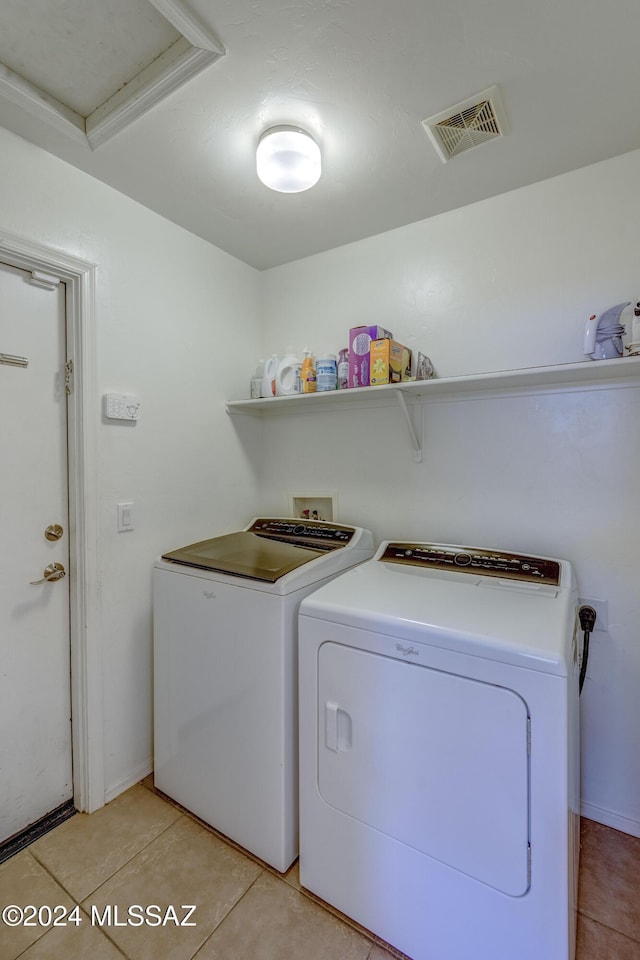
359	344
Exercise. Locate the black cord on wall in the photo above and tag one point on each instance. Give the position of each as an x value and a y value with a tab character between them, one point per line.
587	617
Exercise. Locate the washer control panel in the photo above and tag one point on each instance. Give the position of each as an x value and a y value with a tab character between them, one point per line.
318	534
488	563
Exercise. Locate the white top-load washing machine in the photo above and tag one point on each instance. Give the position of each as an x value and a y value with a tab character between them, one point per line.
225	673
439	751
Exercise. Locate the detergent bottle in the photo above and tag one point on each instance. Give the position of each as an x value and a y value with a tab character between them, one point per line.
269	376
288	375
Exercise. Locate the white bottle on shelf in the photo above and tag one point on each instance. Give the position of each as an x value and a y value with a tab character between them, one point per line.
269	376
255	391
326	373
288	375
343	369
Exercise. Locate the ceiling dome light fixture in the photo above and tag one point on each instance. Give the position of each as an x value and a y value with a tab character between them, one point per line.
288	159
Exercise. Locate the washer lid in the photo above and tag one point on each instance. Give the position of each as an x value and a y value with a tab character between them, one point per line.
245	554
267	550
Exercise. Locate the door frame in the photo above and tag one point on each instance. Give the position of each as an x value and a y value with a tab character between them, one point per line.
82	422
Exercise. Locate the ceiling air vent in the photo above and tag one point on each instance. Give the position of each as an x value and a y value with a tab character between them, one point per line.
468	124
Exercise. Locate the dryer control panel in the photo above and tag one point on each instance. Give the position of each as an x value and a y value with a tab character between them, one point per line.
487	563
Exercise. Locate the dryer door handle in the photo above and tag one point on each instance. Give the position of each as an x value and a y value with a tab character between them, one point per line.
337	727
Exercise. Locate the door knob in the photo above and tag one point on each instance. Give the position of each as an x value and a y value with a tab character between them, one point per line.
53	571
54	531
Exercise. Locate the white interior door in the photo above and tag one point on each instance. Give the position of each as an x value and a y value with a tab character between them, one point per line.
35	698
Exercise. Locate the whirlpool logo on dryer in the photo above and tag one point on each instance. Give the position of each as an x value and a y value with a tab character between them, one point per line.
407	651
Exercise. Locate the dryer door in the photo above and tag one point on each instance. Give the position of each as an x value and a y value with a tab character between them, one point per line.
437	761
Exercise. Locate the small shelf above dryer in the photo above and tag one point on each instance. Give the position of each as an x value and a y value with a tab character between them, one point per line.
586	375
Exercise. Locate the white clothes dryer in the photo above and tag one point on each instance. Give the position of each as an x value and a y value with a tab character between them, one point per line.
439	751
225	673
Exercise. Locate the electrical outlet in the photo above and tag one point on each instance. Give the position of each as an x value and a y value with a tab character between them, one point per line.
601	608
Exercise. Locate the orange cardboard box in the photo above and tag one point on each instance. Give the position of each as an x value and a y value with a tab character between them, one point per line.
389	362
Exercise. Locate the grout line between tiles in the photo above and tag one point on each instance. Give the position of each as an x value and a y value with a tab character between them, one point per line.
111	875
50	874
228	913
136	854
373	939
110	939
601	923
282	877
59	883
112	942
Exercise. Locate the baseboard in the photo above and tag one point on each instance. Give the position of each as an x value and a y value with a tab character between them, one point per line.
610	819
130	780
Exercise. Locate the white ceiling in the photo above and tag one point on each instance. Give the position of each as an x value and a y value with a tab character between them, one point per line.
360	75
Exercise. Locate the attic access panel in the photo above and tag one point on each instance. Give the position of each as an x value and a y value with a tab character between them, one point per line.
91	69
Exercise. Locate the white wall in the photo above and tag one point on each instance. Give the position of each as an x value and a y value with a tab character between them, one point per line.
501	284
505	283
173	315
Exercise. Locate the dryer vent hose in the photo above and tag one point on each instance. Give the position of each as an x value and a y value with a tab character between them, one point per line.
587	617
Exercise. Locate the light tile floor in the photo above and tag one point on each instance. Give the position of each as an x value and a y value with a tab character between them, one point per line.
142	849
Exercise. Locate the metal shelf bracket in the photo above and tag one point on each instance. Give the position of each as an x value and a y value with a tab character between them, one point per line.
413	433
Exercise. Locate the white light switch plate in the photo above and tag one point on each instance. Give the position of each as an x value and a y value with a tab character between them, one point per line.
125	517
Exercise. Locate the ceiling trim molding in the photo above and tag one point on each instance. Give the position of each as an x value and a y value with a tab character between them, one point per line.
41	104
196	49
186	24
167	73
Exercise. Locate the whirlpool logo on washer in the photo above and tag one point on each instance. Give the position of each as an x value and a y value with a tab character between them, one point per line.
209	594
407	651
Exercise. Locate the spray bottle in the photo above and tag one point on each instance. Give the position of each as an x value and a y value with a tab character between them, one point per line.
343	369
307	374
